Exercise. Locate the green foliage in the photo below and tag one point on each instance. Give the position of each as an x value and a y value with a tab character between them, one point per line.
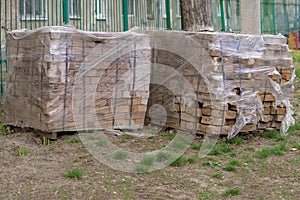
249	159
297	73
74	173
4	129
238	140
182	160
295	161
232	192
163	156
126	137
22	151
278	150
196	146
296	144
147	160
74	141
296	56
142	168
217	175
45	141
120	155
101	142
180	143
294	128
230	168
220	149
234	163
211	164
275	134
207	194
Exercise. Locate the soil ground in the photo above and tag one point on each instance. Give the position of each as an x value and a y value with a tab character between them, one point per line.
264	166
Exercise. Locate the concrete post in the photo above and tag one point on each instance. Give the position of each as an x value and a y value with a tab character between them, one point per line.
250	16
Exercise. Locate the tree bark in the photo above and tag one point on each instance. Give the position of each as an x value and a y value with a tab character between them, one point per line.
196	15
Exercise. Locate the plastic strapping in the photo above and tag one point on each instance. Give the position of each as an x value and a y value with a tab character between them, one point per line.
83	84
116	88
41	80
224	85
66	85
133	82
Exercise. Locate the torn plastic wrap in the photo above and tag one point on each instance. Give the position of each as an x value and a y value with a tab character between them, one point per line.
242	83
62	79
259	81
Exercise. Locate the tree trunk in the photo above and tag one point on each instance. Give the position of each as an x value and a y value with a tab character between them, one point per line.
196	15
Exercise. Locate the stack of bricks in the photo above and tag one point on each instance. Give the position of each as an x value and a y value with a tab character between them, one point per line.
61	79
243	83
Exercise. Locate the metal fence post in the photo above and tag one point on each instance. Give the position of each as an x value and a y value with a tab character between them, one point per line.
168	13
125	15
66	11
274	17
222	15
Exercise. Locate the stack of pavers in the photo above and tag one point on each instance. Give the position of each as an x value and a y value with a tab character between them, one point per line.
62	79
242	83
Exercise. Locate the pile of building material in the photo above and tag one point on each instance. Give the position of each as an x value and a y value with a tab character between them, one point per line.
61	79
241	83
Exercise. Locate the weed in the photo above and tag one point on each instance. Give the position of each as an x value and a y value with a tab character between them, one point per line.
211	164
74	173
182	160
249	159
147	160
278	150
297	73
57	189
163	156
196	146
192	160
101	142
230	168
207	194
273	135
180	143
296	56
45	141
74	141
4	129
294	128
220	149
236	140
252	149
234	163
295	161
170	136
120	155
232	192
217	175
296	144
125	137
232	154
22	151
179	161
142	168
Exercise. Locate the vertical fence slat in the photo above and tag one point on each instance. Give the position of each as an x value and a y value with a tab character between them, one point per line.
125	15
65	11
